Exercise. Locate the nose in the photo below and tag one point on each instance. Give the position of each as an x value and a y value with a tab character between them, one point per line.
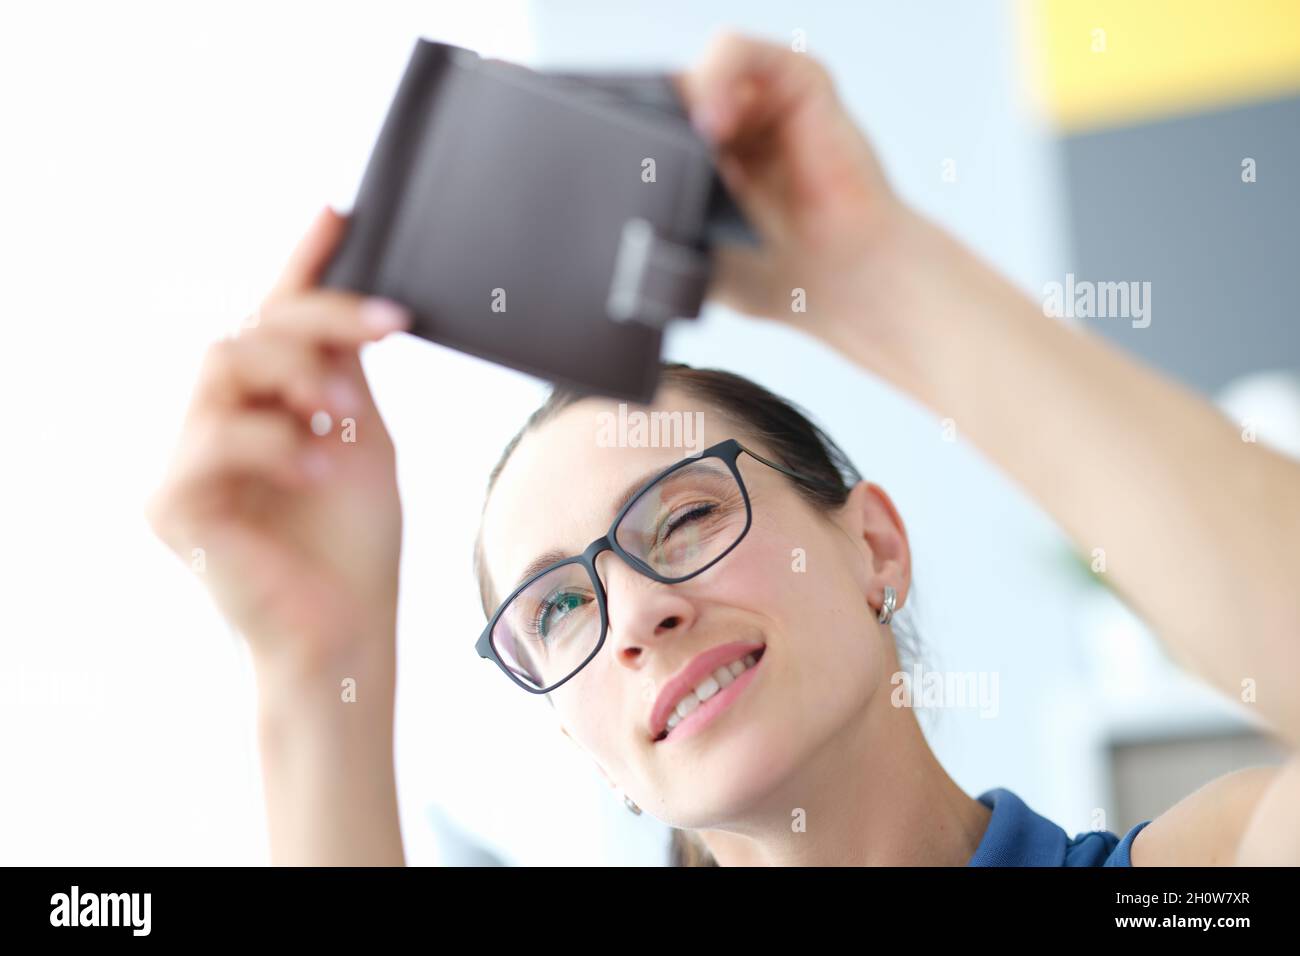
642	612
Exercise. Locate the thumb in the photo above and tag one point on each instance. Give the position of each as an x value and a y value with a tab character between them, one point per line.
310	256
741	84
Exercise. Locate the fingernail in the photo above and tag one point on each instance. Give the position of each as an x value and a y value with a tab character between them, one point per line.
385	315
343	395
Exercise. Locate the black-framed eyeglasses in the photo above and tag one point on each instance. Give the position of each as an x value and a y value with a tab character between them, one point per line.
677	525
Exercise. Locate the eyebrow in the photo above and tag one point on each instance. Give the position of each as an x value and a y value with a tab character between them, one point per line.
554	555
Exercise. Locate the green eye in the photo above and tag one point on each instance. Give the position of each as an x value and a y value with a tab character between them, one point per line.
555	609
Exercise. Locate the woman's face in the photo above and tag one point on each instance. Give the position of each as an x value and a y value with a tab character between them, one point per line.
797	584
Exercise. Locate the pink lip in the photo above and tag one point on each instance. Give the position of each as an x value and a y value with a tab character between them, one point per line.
691	676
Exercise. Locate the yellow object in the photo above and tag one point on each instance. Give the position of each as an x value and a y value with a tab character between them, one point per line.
1100	63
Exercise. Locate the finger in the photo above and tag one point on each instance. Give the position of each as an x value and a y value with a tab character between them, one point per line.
310	256
335	317
349	365
255	444
261	443
741	277
742	84
272	367
762	208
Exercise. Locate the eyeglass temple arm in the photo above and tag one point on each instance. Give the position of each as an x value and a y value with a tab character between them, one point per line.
793	474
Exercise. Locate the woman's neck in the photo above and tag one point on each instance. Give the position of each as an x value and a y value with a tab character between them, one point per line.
873	795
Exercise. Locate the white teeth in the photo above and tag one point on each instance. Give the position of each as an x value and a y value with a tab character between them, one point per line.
715	682
707	688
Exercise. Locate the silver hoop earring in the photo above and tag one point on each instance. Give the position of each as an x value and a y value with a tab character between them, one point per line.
631	805
887	606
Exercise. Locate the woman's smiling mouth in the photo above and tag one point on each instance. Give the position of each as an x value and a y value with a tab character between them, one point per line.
679	713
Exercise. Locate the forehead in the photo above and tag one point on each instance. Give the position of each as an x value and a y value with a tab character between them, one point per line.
560	487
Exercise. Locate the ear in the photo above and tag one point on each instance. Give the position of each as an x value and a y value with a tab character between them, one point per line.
875	526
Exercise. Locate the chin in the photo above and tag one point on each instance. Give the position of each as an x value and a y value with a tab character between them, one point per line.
732	775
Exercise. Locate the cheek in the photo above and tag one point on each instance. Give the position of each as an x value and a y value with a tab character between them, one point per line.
593	709
793	574
799	580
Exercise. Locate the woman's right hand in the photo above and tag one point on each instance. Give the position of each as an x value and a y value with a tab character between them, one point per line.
808	180
300	532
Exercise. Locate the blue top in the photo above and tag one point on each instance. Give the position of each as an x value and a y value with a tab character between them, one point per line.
1017	836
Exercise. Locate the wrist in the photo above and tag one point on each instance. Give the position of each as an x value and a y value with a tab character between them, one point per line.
921	307
326	741
353	683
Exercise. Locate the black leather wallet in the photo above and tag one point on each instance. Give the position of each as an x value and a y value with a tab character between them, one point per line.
550	222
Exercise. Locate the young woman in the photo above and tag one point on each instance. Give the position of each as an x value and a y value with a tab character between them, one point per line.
629	584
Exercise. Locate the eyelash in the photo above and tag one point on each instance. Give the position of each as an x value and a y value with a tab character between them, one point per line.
534	626
701	509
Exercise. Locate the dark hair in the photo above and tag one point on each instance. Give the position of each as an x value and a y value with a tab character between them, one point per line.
784	430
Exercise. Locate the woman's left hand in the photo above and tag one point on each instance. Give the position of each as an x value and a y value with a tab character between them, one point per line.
803	174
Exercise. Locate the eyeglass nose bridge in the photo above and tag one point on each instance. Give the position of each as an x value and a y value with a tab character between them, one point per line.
607	542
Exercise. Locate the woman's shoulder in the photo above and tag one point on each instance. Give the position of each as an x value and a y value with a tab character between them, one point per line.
1204	828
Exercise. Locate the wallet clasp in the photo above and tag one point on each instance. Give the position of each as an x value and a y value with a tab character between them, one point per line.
655	280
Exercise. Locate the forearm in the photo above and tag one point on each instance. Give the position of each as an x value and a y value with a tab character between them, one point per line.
1200	529
327	762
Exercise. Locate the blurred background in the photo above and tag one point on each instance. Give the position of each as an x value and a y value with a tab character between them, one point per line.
161	160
